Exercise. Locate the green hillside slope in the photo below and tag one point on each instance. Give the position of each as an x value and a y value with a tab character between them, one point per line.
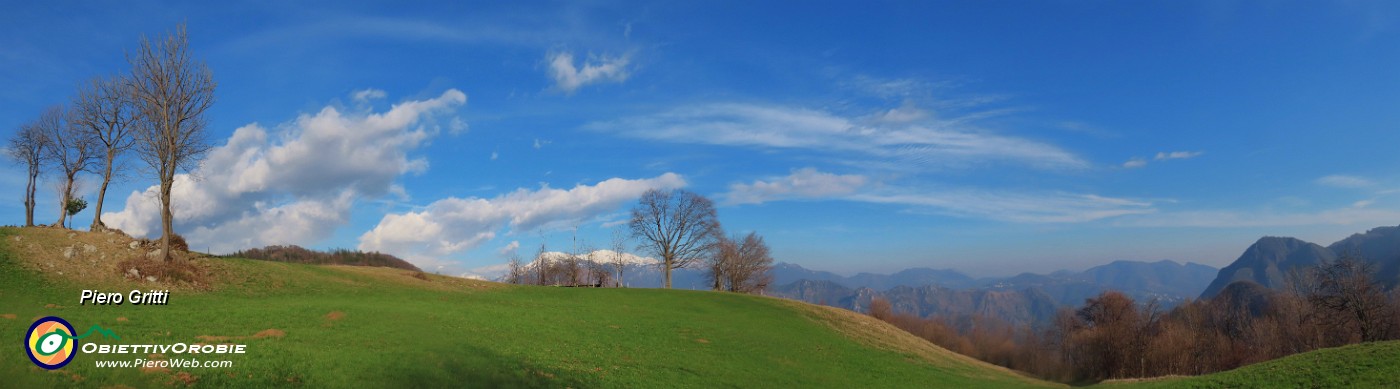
335	326
1367	365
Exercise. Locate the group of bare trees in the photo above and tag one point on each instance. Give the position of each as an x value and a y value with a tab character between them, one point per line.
680	227
157	109
1113	336
582	267
683	228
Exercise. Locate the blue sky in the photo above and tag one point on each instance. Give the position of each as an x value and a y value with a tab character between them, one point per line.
990	137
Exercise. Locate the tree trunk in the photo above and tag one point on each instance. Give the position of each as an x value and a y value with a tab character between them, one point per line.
102	193
667	272
63	205
29	197
166	218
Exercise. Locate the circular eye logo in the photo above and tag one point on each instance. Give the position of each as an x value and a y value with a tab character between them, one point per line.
50	342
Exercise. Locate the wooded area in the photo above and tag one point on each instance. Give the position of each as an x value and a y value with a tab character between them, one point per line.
1112	336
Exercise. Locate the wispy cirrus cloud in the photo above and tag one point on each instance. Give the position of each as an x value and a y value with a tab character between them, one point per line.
1000	205
802	183
1137	162
1344	181
1359	214
951	142
1163	155
1010	206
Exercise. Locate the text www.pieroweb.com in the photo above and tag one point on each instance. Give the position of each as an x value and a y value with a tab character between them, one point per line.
173	363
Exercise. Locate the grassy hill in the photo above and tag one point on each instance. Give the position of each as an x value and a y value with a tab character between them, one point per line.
1367	365
339	326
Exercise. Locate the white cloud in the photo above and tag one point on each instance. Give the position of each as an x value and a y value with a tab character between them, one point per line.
569	78
458	126
1137	162
1051	207
509	249
495	155
296	186
1358	214
1344	181
364	96
951	142
453	224
1163	156
802	183
903	114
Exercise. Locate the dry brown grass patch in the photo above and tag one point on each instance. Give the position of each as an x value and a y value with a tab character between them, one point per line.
101	259
183	377
397	277
875	333
177	271
267	333
157	369
8	316
335	315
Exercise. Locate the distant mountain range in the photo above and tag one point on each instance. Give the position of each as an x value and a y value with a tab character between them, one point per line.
1030	298
1022	299
1270	260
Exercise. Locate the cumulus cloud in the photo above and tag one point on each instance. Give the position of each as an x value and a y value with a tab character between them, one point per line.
570	78
296	183
951	142
1163	156
1344	181
802	183
454	224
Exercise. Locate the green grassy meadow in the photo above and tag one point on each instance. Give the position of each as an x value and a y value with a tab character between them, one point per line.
1366	365
377	327
339	326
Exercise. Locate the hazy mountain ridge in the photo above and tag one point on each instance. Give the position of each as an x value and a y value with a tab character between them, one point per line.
1270	260
1025	298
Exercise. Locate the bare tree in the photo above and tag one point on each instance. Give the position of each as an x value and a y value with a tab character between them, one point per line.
171	91
618	261
27	147
516	274
725	253
679	226
1345	291
750	269
598	272
71	151
541	264
104	110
